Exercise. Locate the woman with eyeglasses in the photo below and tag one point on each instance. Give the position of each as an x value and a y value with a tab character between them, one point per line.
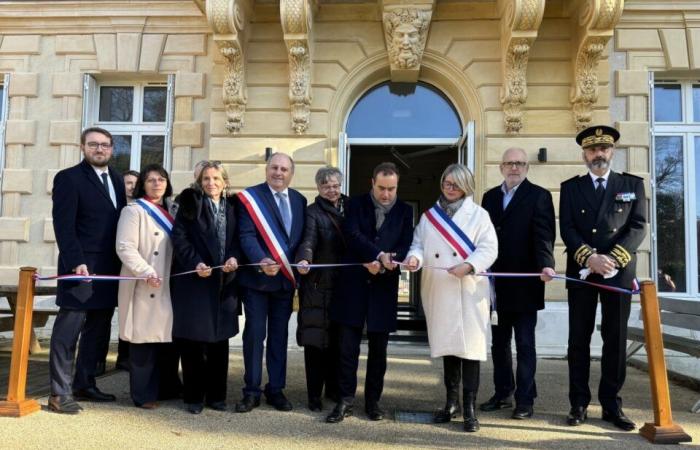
145	312
205	303
453	242
323	243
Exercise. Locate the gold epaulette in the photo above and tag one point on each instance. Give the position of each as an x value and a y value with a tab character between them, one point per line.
582	254
619	254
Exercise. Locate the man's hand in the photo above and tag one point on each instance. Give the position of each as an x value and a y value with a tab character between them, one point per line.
385	259
230	265
373	267
460	270
82	270
153	280
547	274
600	264
303	270
411	263
203	270
269	266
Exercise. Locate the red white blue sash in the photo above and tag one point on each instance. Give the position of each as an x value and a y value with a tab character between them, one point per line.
449	231
157	213
269	231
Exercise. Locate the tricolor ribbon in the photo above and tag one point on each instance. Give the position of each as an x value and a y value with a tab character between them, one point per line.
157	213
449	231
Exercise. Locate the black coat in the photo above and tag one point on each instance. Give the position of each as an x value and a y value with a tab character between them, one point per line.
619	221
204	309
526	233
361	297
323	243
85	225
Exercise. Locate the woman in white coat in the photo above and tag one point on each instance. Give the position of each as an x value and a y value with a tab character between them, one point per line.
145	311
453	241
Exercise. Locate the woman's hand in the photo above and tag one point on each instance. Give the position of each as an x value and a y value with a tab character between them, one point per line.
411	263
269	266
230	265
203	270
153	280
373	267
547	274
460	270
303	270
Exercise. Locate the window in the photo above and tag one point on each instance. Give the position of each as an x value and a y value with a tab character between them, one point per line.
676	172
139	117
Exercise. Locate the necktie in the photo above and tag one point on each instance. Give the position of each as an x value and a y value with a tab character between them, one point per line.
600	190
284	211
105	183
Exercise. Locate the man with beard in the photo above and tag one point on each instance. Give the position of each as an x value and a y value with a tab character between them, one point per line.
87	200
602	217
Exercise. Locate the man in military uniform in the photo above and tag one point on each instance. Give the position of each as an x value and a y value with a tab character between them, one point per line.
602	218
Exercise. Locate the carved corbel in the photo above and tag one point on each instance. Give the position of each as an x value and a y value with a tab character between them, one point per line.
226	18
596	20
297	18
405	32
520	21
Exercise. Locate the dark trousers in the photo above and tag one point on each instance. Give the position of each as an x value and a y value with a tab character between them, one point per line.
522	324
154	372
321	366
204	370
615	313
89	330
123	353
266	317
349	339
455	368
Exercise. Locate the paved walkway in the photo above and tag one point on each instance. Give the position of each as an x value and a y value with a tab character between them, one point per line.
413	383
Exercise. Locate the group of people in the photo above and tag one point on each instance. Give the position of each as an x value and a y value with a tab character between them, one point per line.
188	264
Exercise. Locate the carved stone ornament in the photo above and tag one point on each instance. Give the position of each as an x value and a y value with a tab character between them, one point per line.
596	22
520	21
405	33
296	18
226	19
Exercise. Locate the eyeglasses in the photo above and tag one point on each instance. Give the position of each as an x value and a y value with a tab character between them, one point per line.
446	185
329	187
207	164
514	164
96	145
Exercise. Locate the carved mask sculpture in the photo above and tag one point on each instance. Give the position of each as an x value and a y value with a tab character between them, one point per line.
407	32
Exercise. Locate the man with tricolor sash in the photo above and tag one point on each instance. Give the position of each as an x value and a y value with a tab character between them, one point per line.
271	225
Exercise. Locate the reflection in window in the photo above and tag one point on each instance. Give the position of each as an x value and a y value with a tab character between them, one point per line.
121	153
404	110
670	213
155	100
668	106
116	103
152	150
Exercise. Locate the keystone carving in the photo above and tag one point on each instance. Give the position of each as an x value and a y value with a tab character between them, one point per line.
405	32
296	17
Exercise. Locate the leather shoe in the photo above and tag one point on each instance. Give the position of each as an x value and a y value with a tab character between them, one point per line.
92	394
247	403
194	408
340	412
496	403
315	404
148	405
577	416
374	412
278	401
449	412
522	412
64	404
619	419
217	406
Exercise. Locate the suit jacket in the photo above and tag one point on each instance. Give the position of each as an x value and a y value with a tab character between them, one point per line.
85	225
615	226
525	231
254	248
362	297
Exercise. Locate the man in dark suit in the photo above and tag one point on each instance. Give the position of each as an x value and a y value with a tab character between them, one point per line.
378	228
523	215
87	201
602	218
268	293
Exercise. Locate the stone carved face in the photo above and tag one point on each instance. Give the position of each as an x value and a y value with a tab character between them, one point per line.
406	40
406	33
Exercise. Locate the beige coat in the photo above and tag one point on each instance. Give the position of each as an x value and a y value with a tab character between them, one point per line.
457	311
145	313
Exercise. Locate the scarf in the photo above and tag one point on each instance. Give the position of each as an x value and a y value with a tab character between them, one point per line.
380	211
450	208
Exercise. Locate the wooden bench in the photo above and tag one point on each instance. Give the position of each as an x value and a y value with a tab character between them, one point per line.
41	313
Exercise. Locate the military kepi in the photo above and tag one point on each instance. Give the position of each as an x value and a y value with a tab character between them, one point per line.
597	135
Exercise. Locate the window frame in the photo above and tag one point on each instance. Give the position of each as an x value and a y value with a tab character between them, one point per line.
5	104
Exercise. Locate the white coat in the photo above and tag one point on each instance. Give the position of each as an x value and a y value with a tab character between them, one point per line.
145	313
457	310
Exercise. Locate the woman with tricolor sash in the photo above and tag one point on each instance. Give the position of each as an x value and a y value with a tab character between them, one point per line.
145	312
454	241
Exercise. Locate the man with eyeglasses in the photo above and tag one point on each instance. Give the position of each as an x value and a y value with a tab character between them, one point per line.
602	219
523	215
87	201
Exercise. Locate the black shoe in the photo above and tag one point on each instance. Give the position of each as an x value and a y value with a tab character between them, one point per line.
93	394
278	401
340	412
315	404
577	416
194	408
471	423
619	419
217	406
63	404
247	403
449	412
374	412
522	412
496	403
